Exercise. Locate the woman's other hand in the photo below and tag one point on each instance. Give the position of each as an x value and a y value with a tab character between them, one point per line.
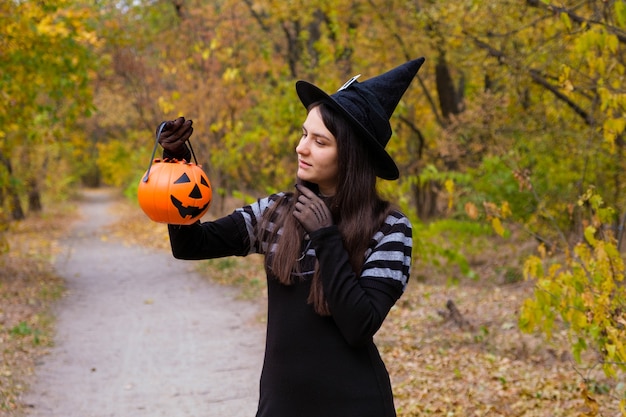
311	211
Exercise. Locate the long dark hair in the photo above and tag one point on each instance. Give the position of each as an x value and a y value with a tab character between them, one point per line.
357	210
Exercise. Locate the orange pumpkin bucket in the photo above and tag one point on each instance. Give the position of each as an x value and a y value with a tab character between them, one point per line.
172	191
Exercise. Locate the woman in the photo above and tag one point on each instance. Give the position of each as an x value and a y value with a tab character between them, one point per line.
337	256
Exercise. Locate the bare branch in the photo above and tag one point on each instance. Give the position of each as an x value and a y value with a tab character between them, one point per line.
621	36
257	16
537	78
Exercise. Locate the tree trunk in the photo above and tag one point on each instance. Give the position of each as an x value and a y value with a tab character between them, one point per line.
34	197
449	97
10	195
425	195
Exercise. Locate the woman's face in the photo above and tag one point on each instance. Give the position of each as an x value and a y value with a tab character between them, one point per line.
317	154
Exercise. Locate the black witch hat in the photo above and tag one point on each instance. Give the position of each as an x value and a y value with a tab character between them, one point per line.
369	106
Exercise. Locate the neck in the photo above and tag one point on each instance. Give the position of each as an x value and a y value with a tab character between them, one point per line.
326	192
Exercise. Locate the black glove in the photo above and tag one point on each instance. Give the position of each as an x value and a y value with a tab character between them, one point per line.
311	211
173	137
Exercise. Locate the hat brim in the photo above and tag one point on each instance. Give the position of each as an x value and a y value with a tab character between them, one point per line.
384	165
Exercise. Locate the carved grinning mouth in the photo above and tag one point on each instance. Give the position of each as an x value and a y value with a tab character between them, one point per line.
185	211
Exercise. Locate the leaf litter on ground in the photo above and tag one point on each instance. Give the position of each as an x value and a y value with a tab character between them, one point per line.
28	289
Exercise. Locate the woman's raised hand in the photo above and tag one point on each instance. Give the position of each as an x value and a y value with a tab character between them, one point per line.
174	135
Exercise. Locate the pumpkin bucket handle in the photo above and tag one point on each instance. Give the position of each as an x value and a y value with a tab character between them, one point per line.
156	144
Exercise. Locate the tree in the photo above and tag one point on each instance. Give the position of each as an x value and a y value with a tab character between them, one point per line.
568	160
46	58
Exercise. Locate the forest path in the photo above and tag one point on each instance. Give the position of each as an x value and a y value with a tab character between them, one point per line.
141	334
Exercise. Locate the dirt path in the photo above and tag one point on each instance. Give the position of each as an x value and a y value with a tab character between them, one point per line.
140	334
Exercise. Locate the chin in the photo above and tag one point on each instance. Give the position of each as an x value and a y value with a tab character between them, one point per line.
304	177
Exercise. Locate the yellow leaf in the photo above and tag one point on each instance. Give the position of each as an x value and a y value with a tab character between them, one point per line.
590	402
532	267
610	351
620	17
612	43
542	250
566	20
506	210
620	350
165	105
612	128
590	231
449	184
579	320
497	226
230	74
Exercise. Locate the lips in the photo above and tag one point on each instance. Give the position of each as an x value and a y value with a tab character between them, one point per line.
303	164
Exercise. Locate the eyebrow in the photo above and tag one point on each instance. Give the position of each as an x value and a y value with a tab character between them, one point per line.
317	135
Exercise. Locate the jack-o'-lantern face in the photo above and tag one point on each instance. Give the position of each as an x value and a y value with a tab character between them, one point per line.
188	196
174	192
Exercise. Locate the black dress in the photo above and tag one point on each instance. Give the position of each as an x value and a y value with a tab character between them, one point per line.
317	366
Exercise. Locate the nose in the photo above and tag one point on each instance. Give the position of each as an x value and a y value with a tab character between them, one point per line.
301	147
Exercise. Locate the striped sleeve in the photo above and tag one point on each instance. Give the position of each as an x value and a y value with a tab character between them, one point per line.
252	215
232	235
389	255
360	304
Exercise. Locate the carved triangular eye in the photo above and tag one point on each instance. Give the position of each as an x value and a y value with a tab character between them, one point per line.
183	179
203	181
195	193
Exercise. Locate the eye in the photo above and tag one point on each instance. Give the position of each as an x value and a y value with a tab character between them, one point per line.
182	179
